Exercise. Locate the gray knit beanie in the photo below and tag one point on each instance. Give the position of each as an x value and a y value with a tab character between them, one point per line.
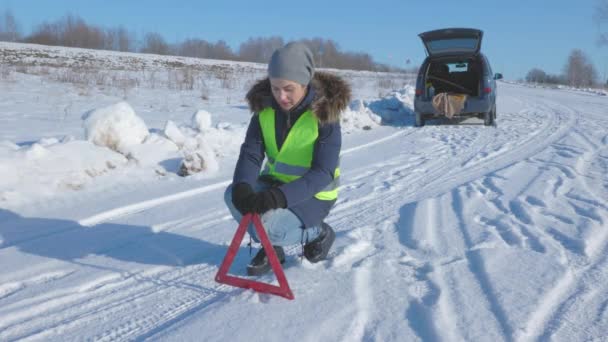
293	62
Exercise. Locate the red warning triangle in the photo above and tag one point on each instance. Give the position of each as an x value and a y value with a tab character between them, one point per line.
222	276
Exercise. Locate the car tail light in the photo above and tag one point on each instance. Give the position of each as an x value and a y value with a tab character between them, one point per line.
418	92
487	90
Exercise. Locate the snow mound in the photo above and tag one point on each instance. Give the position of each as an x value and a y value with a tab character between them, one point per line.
154	153
173	133
201	120
198	157
35	170
358	116
393	109
116	126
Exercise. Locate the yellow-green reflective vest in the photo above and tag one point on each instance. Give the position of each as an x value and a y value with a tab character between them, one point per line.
295	157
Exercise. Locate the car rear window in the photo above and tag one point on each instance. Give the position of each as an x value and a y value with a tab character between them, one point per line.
443	45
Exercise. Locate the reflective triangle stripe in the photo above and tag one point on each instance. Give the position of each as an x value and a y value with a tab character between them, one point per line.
333	185
290	170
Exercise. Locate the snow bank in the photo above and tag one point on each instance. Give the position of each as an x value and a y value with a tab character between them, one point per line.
198	157
41	170
396	108
173	133
201	120
51	165
116	126
54	165
358	116
154	153
198	154
393	109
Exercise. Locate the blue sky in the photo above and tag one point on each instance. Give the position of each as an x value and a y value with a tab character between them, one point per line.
518	35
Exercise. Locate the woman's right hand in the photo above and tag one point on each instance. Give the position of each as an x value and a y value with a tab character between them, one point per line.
243	197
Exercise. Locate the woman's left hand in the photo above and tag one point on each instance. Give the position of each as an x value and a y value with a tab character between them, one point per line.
272	198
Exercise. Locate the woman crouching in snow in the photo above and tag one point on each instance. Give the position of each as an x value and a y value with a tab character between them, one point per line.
296	128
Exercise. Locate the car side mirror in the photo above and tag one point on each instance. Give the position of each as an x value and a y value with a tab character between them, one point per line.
498	76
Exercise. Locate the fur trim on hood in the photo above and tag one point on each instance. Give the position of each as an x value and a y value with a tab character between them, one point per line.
332	96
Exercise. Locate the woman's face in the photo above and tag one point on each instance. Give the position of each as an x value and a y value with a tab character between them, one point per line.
287	93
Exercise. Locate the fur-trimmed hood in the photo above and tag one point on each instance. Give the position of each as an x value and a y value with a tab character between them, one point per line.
332	95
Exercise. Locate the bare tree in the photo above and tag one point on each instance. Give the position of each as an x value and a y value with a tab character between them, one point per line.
69	31
331	54
75	32
126	40
536	75
578	71
45	34
221	50
155	43
358	61
9	29
316	46
202	49
259	49
194	48
119	39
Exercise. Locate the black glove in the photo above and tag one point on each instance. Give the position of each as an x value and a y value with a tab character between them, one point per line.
272	198
243	197
270	180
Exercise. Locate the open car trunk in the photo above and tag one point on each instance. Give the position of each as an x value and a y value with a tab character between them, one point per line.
452	41
454	76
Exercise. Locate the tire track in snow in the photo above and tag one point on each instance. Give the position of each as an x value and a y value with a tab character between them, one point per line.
401	191
435	180
476	266
458	273
560	291
566	299
421	311
553	129
59	304
557	304
363	302
8	289
77	309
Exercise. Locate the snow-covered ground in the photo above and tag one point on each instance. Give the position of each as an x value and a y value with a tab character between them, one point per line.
446	232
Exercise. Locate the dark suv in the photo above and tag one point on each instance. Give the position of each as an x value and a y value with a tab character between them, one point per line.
455	66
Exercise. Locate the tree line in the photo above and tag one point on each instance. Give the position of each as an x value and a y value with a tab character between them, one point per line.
73	31
578	72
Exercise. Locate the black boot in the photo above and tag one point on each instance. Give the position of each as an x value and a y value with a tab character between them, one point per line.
317	249
260	263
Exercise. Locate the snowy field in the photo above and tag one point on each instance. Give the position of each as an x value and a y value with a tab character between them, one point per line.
444	233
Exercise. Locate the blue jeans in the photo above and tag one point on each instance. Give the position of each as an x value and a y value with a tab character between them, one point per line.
282	225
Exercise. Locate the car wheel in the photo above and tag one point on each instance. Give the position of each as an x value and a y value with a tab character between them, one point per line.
419	120
488	118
